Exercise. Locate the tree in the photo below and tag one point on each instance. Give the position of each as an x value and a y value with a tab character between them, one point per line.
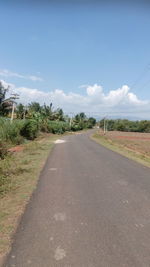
60	114
77	118
21	111
82	116
144	126
91	122
5	104
35	107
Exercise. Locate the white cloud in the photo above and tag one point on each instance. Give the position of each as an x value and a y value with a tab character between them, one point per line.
7	73
95	101
35	78
94	90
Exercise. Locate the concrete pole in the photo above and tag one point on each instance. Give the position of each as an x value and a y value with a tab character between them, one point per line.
12	113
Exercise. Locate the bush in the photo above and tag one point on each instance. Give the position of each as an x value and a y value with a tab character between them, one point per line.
10	132
30	129
44	126
58	127
75	127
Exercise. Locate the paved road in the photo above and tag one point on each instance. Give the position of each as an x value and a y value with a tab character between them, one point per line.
91	209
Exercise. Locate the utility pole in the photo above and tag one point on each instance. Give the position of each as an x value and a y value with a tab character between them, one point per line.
12	113
71	119
14	97
105	125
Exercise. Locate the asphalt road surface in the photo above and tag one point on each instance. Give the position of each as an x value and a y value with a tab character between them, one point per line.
91	209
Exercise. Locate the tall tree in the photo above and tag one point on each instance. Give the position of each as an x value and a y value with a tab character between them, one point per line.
5	104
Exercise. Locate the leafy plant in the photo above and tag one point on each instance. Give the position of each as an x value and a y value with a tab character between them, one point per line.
30	129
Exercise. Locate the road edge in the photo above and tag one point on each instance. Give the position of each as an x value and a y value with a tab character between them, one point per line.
24	205
127	153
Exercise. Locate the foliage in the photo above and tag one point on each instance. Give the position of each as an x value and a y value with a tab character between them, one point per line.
81	122
126	125
10	133
21	111
4	103
31	119
75	127
58	127
34	107
30	129
91	122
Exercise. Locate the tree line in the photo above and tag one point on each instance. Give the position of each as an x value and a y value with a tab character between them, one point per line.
29	120
125	125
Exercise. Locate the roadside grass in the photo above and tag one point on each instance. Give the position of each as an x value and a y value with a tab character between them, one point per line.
19	174
122	148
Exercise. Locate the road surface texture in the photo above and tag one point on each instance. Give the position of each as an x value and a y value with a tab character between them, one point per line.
91	209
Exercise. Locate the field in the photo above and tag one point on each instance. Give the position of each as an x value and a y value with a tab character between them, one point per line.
138	142
131	144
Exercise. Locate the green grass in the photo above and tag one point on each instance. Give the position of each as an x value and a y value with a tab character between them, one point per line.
10	133
136	156
19	176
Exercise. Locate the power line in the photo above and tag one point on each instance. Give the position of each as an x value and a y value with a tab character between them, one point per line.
145	71
145	84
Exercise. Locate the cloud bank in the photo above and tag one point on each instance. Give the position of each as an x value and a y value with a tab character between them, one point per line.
94	101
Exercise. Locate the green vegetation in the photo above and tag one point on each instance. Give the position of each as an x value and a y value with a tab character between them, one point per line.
32	120
29	128
142	126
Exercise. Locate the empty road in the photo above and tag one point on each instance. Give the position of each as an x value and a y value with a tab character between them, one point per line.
91	208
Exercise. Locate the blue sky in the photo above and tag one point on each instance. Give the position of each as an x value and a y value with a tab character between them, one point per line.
45	47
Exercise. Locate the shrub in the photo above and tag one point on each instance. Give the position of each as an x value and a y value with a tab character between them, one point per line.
58	127
44	126
10	132
75	127
30	129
